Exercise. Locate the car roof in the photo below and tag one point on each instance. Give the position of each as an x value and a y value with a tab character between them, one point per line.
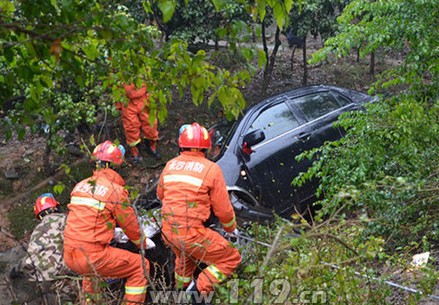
290	93
360	96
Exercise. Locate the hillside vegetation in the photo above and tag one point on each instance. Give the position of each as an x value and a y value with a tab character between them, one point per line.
380	182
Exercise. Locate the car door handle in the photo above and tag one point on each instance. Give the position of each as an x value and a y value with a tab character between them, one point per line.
304	136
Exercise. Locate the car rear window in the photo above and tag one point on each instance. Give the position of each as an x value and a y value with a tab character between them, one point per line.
316	105
275	121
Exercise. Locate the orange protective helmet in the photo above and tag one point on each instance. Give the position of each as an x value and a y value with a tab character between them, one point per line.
194	136
44	202
109	152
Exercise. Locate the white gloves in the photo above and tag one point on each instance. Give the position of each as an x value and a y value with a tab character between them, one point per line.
233	234
120	236
150	229
149	244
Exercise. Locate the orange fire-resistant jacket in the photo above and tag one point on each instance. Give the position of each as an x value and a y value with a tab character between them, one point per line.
135	95
190	186
135	116
97	204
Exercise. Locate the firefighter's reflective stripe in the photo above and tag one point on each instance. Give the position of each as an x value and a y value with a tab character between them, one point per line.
134	143
136	242
216	273
93	203
229	224
134	290
183	178
182	281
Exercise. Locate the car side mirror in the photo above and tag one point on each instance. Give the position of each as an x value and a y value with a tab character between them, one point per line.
251	139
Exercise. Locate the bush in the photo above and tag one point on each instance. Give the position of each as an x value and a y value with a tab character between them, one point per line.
386	169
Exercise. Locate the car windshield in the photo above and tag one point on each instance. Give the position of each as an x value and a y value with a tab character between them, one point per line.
219	133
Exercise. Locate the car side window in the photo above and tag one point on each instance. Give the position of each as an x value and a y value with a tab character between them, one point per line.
316	105
275	121
342	99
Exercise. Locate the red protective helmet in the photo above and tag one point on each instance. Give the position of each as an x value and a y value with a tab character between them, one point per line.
109	152
194	136
44	202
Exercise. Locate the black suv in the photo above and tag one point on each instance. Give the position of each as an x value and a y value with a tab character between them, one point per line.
257	152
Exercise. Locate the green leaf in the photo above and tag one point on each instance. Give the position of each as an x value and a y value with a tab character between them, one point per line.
59	188
262	58
110	226
91	51
199	82
250	269
162	113
147	7
218	4
222	95
46	80
279	15
289	5
7	8
211	99
55	6
261	10
167	7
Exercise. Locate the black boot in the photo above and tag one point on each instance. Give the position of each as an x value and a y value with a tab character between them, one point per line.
151	149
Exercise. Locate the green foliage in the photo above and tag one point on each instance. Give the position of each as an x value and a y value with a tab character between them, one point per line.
328	263
54	60
315	17
384	174
197	22
386	167
394	26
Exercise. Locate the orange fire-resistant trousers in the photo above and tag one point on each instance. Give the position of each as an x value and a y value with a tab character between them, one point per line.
108	262
135	118
201	244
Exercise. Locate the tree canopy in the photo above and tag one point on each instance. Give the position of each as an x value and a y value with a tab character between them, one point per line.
61	55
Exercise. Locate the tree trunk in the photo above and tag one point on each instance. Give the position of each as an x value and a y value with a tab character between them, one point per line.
305	64
264	43
270	63
292	58
372	64
265	48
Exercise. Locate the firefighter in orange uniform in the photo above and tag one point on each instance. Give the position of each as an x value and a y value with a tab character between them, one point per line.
190	187
97	204
135	118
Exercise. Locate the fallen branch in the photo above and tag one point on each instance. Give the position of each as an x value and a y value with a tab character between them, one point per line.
271	252
9	203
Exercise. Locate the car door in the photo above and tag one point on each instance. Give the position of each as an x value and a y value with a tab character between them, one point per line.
271	165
